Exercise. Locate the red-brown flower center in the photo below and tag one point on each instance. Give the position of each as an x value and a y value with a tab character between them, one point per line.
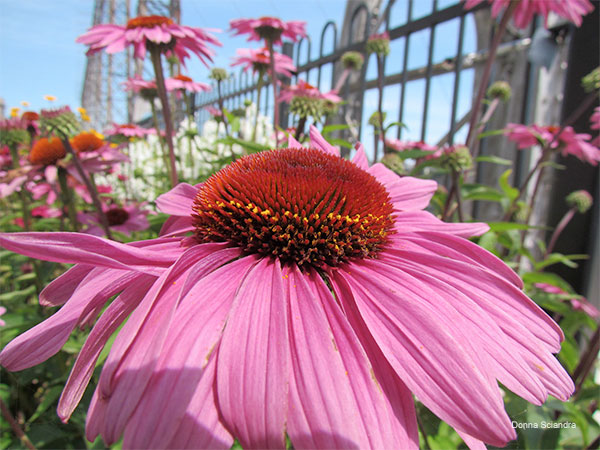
86	142
30	116
116	216
182	78
47	151
148	21
298	205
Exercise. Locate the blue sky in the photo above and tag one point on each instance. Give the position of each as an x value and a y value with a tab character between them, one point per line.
39	56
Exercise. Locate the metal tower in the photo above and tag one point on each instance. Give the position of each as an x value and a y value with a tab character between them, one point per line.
102	95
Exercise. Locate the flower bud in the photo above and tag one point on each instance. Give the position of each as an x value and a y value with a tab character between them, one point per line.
582	200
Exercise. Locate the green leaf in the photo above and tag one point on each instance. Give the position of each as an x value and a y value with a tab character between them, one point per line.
511	192
481	192
490	133
555	258
546	277
17	295
413	154
252	146
494	160
335	127
395	124
507	226
340	142
50	396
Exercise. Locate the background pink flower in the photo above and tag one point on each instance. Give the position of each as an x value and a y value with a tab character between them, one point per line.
182	82
129	130
257	28
123	219
572	10
303	89
137	83
259	59
157	30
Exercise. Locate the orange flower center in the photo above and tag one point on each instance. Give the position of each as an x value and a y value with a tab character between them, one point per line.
128	125
30	115
303	206
148	22
47	151
86	142
182	78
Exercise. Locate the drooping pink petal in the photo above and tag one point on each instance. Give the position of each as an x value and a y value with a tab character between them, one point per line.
188	347
59	290
135	352
176	225
434	360
360	158
108	323
85	249
335	399
415	221
253	360
45	339
318	141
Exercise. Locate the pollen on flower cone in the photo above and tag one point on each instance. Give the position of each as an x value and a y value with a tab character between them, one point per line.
86	142
47	151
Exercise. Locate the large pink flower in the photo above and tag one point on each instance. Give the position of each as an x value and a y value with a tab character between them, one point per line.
150	30
572	10
269	27
259	59
313	298
303	89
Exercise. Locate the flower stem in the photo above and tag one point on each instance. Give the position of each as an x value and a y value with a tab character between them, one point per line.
15	426
224	117
190	114
379	106
484	120
155	54
161	142
300	128
14	153
274	82
259	86
67	198
558	230
90	187
342	79
485	77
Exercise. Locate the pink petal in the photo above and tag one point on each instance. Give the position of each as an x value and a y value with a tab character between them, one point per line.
177	225
178	201
415	221
201	425
252	370
360	158
84	249
434	359
61	289
319	142
108	323
293	143
136	350
182	365
335	399
386	422
407	193
45	339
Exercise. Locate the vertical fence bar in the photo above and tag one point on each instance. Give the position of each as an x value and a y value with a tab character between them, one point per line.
404	72
321	45
428	76
457	73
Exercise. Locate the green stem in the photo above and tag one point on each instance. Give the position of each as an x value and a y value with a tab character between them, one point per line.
190	114
161	142
558	230
155	55
259	86
91	187
224	118
379	106
488	70
274	83
14	425
67	198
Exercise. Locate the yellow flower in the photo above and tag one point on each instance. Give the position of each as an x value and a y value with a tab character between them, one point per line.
14	112
25	104
50	98
82	111
85	118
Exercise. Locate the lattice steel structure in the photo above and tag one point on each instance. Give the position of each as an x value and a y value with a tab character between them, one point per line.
102	94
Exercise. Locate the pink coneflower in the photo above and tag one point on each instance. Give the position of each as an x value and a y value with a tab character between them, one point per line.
137	84
313	298
2	312
184	83
568	142
145	31
215	112
42	211
400	146
303	89
572	10
577	303
258	60
129	130
123	219
269	28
